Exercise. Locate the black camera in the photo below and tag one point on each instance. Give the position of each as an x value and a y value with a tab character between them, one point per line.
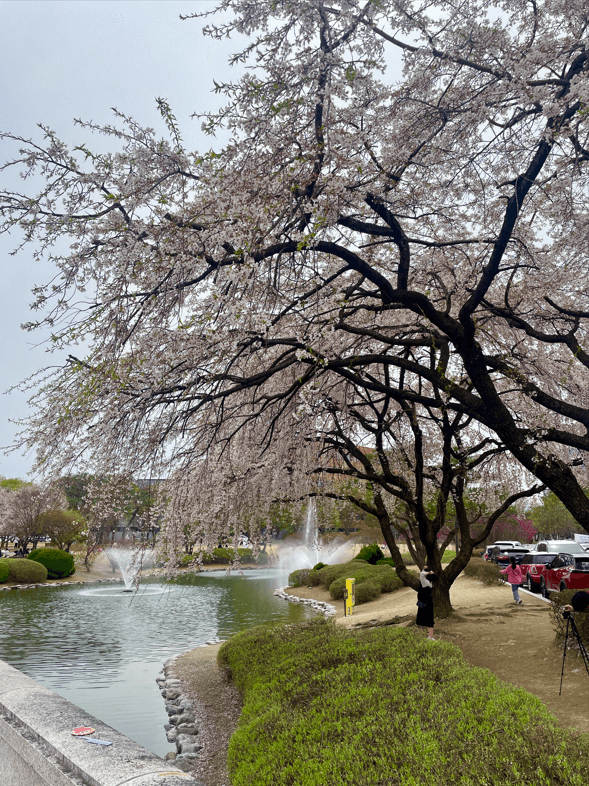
566	614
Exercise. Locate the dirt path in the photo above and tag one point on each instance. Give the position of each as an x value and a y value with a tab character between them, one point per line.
217	705
514	642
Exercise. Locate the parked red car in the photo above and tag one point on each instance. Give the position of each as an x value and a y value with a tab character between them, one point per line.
533	566
566	571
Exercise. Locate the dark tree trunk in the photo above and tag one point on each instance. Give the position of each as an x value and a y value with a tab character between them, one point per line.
441	597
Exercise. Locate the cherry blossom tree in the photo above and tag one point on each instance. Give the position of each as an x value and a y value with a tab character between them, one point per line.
25	507
379	251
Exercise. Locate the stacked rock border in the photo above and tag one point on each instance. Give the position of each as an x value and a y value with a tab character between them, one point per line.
181	728
326	608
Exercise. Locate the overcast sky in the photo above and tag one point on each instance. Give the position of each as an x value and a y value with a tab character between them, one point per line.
60	60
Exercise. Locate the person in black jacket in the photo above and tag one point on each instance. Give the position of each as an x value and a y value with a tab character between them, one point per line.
425	602
579	601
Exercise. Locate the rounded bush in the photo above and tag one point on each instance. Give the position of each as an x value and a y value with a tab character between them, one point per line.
319	565
487	572
224	556
59	564
386	561
26	571
314	578
371	553
337	587
389	581
298	578
4	571
369	590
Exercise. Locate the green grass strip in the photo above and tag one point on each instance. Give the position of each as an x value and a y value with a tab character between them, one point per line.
384	707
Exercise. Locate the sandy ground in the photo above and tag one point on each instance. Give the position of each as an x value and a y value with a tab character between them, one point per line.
514	642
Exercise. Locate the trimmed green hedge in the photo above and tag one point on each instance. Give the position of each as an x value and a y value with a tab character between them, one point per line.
327	707
333	578
4	571
227	556
300	578
59	564
484	571
367	591
26	571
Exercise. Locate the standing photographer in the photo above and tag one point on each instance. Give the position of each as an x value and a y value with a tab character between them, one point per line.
579	602
425	602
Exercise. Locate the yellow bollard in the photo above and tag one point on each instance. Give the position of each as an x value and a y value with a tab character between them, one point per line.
349	597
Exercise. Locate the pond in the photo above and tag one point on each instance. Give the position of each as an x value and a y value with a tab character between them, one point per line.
102	649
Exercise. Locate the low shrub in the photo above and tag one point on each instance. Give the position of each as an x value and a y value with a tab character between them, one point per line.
299	578
225	556
26	571
327	707
371	553
389	561
4	571
330	573
314	577
557	601
59	564
383	576
407	560
319	565
389	581
333	578
367	591
487	572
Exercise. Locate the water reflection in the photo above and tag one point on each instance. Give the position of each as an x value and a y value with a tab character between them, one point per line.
102	648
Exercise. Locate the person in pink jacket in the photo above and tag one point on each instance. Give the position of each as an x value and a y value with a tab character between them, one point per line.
515	578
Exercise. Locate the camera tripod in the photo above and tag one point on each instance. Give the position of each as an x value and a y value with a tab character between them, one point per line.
570	621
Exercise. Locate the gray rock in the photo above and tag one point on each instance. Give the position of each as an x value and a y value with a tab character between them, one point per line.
184	739
191	749
171	735
186	704
189	755
174	719
170	755
186	717
187	728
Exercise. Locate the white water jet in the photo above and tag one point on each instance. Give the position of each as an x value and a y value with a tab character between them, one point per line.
311	550
129	563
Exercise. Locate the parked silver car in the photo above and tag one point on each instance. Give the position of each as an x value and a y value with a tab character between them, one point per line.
559	546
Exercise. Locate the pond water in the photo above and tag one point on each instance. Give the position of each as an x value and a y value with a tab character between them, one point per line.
102	649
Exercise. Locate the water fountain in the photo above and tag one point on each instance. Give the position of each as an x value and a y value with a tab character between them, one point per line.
129	563
312	549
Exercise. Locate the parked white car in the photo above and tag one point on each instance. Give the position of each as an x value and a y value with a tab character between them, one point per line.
560	546
501	545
